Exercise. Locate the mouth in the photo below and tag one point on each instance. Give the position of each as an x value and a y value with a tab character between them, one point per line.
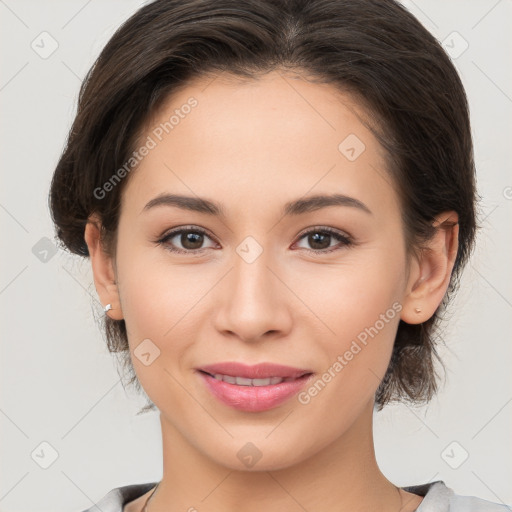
253	372
253	388
244	381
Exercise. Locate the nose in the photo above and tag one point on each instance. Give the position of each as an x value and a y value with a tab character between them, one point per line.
253	301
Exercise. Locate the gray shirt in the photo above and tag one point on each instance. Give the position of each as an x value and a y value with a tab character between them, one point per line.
437	497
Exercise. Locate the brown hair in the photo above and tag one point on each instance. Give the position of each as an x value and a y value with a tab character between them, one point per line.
374	49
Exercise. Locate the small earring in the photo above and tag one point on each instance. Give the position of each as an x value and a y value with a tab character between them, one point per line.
418	310
108	307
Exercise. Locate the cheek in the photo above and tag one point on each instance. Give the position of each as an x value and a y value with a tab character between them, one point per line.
157	297
365	290
363	310
360	305
161	303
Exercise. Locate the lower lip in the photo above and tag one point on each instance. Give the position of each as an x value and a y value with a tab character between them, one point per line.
253	398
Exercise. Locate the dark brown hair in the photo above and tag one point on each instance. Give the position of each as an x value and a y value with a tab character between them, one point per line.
373	49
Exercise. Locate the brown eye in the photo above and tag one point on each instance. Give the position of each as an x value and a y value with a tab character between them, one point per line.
320	240
191	240
185	240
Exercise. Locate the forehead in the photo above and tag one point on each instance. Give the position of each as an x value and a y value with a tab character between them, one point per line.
257	136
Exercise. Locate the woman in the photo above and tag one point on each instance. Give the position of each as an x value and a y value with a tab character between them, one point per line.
276	197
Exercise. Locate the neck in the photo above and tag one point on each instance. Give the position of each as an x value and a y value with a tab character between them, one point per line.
343	476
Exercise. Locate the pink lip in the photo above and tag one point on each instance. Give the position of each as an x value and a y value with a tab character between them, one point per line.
254	398
257	371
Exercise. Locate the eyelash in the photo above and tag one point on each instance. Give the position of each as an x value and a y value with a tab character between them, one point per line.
345	240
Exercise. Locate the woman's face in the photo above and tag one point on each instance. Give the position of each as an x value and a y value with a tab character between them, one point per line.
260	280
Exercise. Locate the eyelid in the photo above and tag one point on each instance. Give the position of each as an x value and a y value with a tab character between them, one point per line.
324	229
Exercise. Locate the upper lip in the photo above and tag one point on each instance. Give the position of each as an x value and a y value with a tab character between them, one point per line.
257	371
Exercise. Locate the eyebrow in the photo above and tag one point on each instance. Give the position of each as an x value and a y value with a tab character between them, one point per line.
296	207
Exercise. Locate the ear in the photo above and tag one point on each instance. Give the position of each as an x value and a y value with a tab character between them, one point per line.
430	273
102	268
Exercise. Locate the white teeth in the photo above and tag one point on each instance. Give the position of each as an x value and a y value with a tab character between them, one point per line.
243	381
264	382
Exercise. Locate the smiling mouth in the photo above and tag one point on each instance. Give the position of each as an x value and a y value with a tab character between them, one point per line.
244	381
259	387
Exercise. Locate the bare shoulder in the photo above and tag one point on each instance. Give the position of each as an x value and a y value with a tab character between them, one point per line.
137	504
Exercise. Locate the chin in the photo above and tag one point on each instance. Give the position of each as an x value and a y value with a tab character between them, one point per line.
242	454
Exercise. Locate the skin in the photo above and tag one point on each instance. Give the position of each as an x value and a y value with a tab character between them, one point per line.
252	146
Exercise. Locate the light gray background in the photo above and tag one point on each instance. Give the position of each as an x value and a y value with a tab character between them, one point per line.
59	384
